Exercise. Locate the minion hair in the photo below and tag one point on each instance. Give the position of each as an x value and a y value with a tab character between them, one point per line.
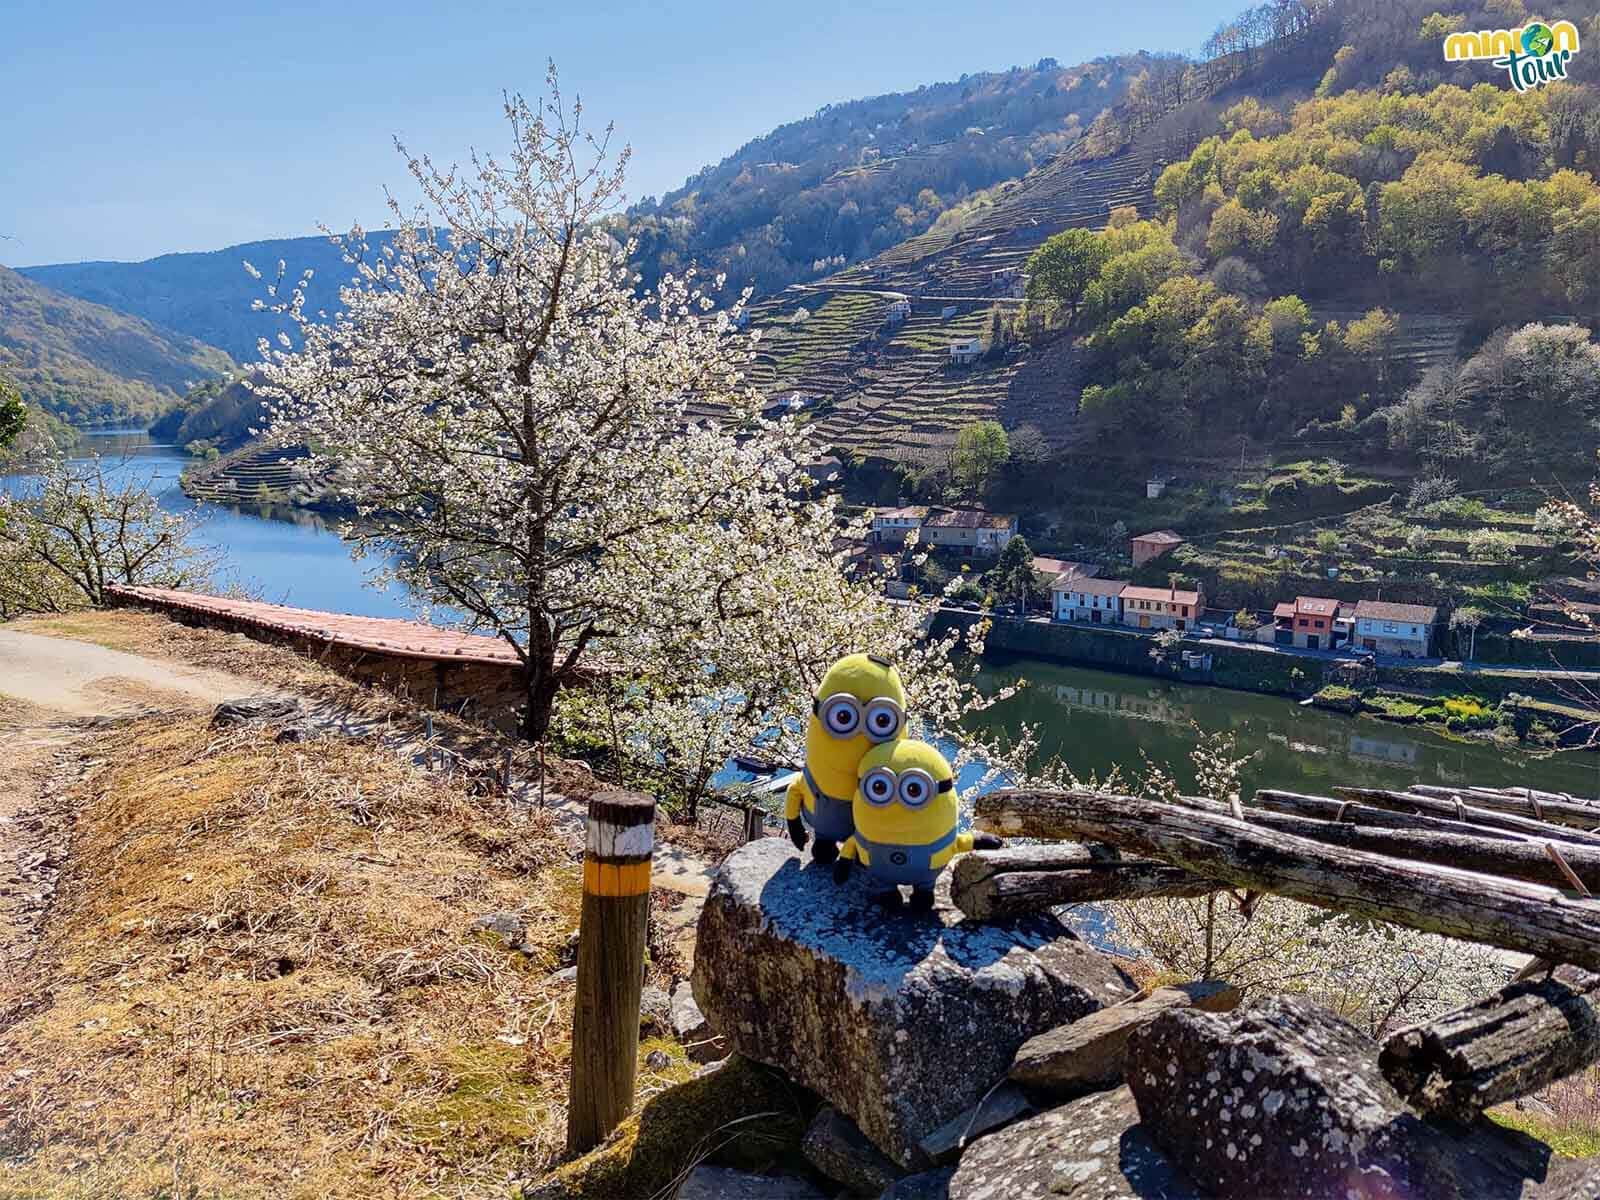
880	661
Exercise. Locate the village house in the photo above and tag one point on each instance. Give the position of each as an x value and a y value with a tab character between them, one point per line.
1007	281
890	526
1405	629
1085	598
1160	608
898	311
1306	622
969	531
967	351
1153	545
1048	570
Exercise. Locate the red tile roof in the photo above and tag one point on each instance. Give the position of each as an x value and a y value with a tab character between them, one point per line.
386	635
1165	537
1315	606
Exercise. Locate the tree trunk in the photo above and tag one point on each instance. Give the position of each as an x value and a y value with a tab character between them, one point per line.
1526	802
990	884
540	687
1324	808
1528	1034
1468	813
1500	912
1527	860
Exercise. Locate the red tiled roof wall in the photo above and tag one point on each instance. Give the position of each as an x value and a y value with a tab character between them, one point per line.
384	635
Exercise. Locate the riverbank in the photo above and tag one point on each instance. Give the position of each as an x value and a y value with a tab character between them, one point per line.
1542	710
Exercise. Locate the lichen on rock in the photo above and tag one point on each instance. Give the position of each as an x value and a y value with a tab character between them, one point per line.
901	1019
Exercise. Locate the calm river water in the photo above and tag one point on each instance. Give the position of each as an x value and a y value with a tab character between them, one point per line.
1092	719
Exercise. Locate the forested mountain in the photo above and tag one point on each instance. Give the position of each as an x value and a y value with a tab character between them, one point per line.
1270	248
87	364
802	201
855	178
209	295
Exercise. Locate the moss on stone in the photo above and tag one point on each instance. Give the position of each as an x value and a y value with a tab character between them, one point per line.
742	1115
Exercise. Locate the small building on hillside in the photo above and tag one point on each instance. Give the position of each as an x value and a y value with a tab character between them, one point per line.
1153	545
1007	281
967	351
1306	622
1161	608
890	526
1050	569
1085	598
1405	629
969	531
898	311
1155	486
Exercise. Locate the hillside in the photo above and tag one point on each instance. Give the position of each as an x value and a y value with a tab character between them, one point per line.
1267	202
88	364
207	295
858	177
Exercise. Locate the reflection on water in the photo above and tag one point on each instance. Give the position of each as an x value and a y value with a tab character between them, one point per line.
288	555
1095	720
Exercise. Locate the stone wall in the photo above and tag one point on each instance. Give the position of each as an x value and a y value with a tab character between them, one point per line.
489	693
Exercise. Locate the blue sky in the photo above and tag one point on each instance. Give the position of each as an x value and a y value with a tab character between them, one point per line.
131	130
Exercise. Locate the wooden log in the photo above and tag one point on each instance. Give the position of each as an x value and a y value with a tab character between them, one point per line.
611	951
990	884
1524	802
1527	860
1439	807
1528	1034
1508	913
1324	808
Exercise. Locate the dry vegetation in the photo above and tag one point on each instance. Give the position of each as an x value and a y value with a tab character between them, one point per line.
261	978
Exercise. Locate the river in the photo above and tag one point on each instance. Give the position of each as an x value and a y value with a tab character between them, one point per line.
1093	720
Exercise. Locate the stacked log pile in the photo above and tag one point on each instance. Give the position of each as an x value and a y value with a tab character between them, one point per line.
1513	868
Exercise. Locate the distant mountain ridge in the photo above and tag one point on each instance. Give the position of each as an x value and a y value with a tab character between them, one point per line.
90	364
806	199
208	294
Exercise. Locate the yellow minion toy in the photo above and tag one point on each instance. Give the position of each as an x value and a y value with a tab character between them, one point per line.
905	820
859	704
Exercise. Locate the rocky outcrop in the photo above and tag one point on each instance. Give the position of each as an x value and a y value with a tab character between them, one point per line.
1091	1053
999	1107
900	1019
1282	1098
689	1026
1091	1149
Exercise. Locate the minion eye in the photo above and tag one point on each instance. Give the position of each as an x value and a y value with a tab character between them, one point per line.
884	719
916	788
841	715
879	786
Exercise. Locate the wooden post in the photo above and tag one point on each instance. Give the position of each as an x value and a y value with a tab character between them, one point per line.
755	823
611	949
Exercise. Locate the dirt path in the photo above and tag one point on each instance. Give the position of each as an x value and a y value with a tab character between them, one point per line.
80	679
51	687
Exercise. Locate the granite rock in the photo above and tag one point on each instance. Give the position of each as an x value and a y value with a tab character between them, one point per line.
900	1019
836	1148
1092	1052
719	1183
1090	1149
1283	1098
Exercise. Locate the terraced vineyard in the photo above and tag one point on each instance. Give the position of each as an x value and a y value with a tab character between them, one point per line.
257	471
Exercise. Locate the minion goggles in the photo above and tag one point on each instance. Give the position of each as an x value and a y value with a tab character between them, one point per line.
914	787
843	716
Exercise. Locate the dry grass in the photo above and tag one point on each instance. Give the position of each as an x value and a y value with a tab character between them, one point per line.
261	979
1565	1115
